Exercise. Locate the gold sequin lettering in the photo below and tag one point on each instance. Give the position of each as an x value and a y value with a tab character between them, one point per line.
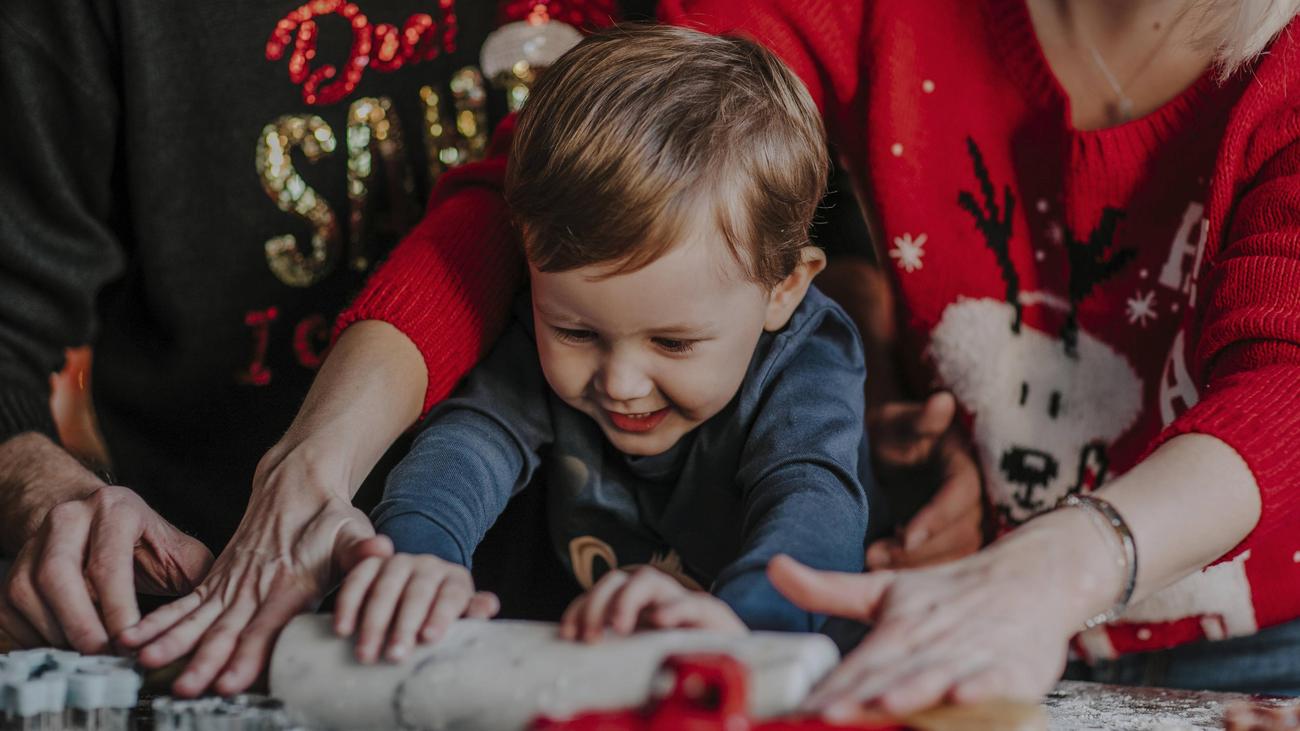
374	129
462	137
291	194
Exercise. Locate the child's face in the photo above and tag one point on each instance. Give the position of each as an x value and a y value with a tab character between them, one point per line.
650	354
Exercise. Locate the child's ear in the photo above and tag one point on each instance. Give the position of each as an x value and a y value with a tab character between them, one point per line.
788	293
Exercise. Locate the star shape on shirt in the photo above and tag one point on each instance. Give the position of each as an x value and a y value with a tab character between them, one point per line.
1141	307
908	251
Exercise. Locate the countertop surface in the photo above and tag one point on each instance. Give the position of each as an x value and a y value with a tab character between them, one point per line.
1075	706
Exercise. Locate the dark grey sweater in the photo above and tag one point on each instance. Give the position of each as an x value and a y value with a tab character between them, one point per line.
138	196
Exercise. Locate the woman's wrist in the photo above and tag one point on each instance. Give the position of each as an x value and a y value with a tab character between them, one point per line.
1109	521
368	391
313	467
1074	561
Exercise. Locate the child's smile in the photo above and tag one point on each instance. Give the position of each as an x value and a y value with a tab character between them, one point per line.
638	423
653	353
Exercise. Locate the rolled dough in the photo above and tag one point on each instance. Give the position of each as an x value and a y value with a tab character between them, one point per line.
502	674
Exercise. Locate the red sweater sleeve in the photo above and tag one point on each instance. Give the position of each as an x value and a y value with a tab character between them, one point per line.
1247	353
820	40
448	285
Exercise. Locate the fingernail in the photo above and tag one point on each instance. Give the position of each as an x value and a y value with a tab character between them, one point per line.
397	652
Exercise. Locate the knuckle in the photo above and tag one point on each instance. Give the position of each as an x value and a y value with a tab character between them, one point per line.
50	580
100	569
64	512
20	592
110	497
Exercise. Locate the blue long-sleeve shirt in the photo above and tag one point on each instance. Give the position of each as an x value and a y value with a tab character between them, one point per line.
783	468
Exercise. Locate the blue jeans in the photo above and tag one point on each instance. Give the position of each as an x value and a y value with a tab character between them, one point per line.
1266	662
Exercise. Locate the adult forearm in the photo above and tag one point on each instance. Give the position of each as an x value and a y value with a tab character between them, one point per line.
1187	504
368	391
35	475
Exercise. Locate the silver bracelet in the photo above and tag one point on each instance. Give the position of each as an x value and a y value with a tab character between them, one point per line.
1127	562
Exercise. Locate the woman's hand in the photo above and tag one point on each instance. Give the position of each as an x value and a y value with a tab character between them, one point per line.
300	533
992	625
644	598
918	451
296	539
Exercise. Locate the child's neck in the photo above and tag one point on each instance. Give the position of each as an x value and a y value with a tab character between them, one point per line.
1119	60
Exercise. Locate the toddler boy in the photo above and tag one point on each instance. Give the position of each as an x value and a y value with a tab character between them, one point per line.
696	406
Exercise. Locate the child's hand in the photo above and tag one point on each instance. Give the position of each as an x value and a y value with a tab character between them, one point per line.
405	594
643	599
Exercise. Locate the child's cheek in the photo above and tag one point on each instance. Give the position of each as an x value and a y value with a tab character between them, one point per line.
702	388
565	370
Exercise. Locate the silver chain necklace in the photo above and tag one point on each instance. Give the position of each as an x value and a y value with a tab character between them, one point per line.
1124	107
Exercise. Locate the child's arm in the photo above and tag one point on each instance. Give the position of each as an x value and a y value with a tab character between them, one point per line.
478	449
802	472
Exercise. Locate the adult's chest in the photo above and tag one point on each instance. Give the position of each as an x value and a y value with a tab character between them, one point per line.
1042	273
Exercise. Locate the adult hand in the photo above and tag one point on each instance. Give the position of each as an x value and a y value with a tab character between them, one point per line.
992	625
85	549
918	451
300	533
297	537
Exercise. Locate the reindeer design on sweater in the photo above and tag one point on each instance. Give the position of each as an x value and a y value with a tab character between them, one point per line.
1046	405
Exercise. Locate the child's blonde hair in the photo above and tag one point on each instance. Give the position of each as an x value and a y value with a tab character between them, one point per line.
1240	30
637	129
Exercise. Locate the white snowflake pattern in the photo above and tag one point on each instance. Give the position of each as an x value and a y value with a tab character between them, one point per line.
908	251
1142	307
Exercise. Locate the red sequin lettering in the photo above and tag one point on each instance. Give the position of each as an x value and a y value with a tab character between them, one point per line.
421	38
310	341
257	374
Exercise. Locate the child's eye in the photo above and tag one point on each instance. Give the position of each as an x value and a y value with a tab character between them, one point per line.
574	336
674	345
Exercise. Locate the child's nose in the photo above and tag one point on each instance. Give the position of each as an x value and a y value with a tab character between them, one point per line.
622	380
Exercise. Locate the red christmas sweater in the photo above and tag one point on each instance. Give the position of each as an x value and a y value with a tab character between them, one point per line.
1087	295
